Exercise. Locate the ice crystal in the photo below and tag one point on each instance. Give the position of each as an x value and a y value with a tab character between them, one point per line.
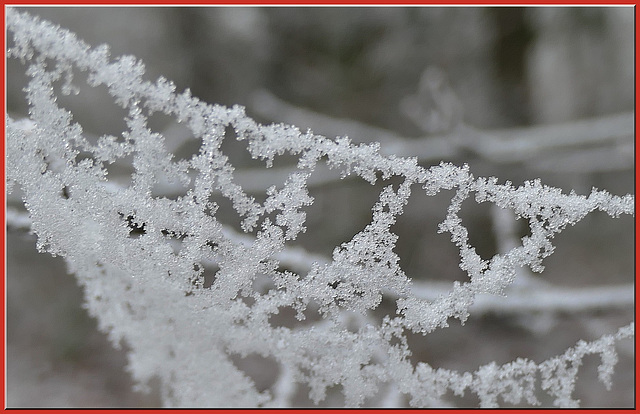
120	242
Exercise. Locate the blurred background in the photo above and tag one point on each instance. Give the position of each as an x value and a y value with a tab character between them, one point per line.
516	92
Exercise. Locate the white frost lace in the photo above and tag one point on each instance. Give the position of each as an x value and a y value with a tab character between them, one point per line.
142	258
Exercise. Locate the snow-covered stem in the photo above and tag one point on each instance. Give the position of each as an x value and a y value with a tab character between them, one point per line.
499	145
525	297
143	259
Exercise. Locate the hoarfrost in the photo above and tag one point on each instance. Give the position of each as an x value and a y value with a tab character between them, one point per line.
144	292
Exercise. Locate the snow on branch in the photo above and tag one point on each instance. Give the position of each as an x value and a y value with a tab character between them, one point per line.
143	259
500	146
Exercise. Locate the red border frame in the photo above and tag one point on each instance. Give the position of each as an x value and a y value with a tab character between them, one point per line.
324	3
3	238
291	3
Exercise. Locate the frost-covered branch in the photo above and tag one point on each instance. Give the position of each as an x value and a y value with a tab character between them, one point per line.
544	298
186	292
500	146
515	381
